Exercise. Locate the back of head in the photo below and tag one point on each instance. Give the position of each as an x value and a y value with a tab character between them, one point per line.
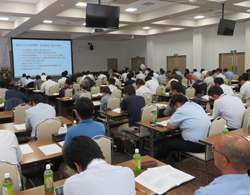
219	81
215	90
147	78
139	69
38	77
219	70
83	72
130	90
48	77
28	77
86	79
64	74
24	75
87	72
173	73
246	76
174	70
178	98
68	82
132	74
114	75
84	108
129	76
209	73
85	85
111	81
37	98
202	70
177	86
3	83
106	90
162	71
213	71
150	74
81	150
248	71
194	70
139	82
225	70
187	71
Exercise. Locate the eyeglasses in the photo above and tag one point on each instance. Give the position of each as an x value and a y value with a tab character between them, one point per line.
212	149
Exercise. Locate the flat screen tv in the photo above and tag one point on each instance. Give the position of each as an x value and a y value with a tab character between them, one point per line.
226	27
102	16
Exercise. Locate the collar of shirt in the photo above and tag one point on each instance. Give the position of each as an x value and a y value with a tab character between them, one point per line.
95	162
222	95
86	120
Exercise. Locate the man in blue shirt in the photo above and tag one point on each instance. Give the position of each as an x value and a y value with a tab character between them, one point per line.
232	158
132	104
177	72
28	80
194	123
161	76
14	93
86	126
228	74
67	85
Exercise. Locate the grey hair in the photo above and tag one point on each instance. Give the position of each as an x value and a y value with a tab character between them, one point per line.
85	85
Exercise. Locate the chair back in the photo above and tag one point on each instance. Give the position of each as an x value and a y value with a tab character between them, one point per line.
208	88
235	77
97	90
3	97
98	83
184	81
117	93
85	94
118	83
159	88
67	92
78	79
239	95
52	89
14	171
148	98
106	146
114	103
145	115
134	85
92	78
163	81
76	87
30	85
246	115
104	81
226	81
18	112
9	104
47	127
212	83
190	92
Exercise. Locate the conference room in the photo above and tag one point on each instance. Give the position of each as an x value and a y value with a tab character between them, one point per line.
40	36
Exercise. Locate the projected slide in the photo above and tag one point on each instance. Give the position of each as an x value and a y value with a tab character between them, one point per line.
33	56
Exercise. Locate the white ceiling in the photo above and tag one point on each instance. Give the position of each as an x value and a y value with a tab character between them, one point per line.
163	16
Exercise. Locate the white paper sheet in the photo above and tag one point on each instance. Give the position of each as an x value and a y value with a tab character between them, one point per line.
235	80
167	93
117	110
26	149
20	127
50	149
164	123
36	90
205	97
161	105
55	94
104	85
97	103
1	105
61	143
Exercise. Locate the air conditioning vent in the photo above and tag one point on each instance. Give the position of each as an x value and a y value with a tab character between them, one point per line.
123	2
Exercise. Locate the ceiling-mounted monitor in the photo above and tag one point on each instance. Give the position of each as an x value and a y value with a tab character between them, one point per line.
226	27
102	16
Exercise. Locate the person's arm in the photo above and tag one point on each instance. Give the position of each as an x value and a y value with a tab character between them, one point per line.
19	153
43	87
170	126
27	122
169	111
123	107
216	109
68	137
243	91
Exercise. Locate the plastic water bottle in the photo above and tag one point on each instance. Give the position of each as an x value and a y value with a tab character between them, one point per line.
71	93
148	100
207	107
248	123
161	90
57	90
94	91
107	83
229	83
24	115
62	86
155	115
74	123
48	180
36	87
225	130
7	185
137	162
1	100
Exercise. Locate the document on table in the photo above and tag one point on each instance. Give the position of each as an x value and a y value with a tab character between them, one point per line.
162	179
26	149
161	105
61	143
1	105
205	97
50	149
167	93
163	123
117	110
55	94
97	103
37	90
20	127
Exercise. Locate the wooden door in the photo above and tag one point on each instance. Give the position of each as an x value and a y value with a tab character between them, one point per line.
111	63
227	61
171	63
239	63
135	63
181	63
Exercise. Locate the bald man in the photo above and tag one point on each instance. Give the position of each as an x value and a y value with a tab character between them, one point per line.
232	158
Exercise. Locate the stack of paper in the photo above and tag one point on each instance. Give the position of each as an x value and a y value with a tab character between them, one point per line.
37	90
26	149
55	94
162	179
167	93
50	149
104	85
61	143
97	103
163	123
161	105
20	127
117	110
98	94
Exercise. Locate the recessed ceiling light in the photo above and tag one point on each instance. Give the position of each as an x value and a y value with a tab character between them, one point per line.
146	27
62	5
84	23
199	17
47	21
81	4
130	9
248	10
3	18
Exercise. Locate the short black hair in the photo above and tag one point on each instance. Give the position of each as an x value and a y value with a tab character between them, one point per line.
169	71
114	74
87	72
84	107
129	76
177	86
245	75
87	78
3	83
132	74
219	70
106	90
248	71
162	71
151	74
38	77
202	70
195	69
83	72
81	150
139	82
215	90
37	98
178	98
187	71
28	77
64	74
225	69
130	90
24	75
173	73
68	82
139	69
147	78
174	70
242	78
213	71
218	80
48	77
111	81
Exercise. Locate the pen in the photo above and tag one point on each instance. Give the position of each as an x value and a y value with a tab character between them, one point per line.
141	190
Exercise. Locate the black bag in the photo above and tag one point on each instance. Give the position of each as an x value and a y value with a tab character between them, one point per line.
118	143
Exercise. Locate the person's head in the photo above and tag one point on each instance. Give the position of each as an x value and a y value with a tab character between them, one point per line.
126	69
150	74
84	108
83	73
86	79
111	81
48	78
246	75
38	77
28	77
178	100
132	73
129	76
218	81
36	99
173	74
147	78
174	70
232	154
139	83
141	62
114	70
202	70
129	90
209	74
242	79
225	70
87	72
195	79
176	87
64	74
24	75
80	151
169	74
43	73
85	85
218	70
162	71
213	72
106	90
113	75
187	71
68	82
215	92
3	83
194	70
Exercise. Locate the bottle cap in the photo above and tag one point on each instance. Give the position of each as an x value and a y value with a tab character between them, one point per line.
6	175
225	126
74	121
137	151
47	166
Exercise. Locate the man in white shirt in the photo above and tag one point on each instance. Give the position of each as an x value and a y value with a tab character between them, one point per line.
124	75
28	80
114	76
208	78
147	71
140	75
83	77
43	76
226	89
219	73
111	84
229	107
142	66
245	88
95	176
151	82
89	75
62	80
10	150
101	76
22	79
141	89
170	79
47	84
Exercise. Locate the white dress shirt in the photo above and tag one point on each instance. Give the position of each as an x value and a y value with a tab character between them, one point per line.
46	85
61	81
101	178
208	80
142	66
101	76
227	89
197	74
43	77
221	76
140	76
168	86
3	90
82	79
152	85
155	75
10	150
245	90
143	89
146	73
112	87
124	76
231	108
116	79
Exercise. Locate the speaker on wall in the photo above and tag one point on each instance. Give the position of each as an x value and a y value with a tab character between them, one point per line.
91	46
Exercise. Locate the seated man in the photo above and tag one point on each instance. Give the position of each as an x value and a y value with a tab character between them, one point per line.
151	82
114	76
124	75
111	84
62	80
95	176
43	76
196	73
75	76
141	88
133	105
176	76
16	94
91	83
200	86
10	150
84	89
101	76
245	87
228	74
140	75
47	84
3	84
226	89
170	79
161	75
39	112
22	79
28	80
67	85
194	123
219	74
231	157
38	82
229	107
86	126
129	81
208	78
